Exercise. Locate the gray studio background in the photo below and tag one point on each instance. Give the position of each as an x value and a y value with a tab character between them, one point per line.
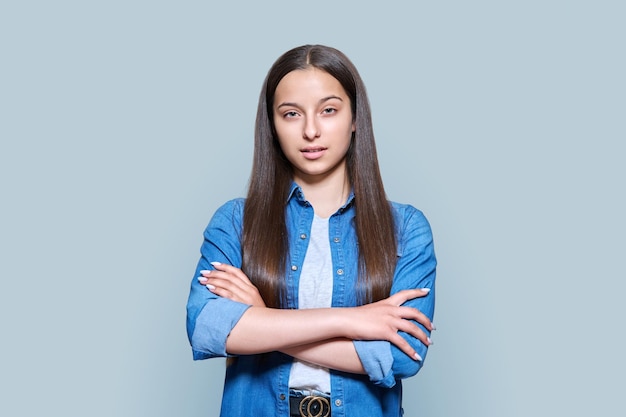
124	125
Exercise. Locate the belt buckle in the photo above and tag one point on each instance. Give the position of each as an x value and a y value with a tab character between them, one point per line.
314	404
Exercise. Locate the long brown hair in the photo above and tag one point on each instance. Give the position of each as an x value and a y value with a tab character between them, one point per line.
265	239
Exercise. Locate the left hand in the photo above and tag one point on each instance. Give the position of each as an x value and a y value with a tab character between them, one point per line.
230	282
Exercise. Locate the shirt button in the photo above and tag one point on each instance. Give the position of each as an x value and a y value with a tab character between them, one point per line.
282	396
294	267
338	402
336	240
340	272
303	236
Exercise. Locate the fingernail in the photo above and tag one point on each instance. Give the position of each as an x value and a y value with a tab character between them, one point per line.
211	287
205	271
430	342
417	357
215	263
425	289
432	326
202	279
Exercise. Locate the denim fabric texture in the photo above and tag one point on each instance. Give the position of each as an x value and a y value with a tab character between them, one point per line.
258	384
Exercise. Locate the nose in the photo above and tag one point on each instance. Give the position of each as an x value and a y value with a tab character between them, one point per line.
311	128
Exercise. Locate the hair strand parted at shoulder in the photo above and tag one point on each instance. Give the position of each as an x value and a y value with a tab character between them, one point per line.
265	241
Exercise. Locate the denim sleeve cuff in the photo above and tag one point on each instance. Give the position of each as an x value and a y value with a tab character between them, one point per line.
213	325
376	358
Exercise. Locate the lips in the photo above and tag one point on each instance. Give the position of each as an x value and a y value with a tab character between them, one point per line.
313	152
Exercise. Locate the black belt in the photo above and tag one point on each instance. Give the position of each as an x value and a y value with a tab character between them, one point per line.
302	405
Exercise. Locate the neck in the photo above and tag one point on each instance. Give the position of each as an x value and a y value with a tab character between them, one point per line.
327	195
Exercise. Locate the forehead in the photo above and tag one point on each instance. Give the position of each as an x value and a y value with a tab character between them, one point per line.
310	82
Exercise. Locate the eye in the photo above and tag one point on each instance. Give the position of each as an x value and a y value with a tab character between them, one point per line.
329	110
290	114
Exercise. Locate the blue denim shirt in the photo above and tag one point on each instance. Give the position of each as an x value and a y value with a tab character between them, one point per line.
258	384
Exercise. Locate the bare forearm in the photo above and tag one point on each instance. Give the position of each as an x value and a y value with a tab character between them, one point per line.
310	335
338	354
264	329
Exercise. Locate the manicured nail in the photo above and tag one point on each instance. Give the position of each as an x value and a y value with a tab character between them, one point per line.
211	287
430	342
202	279
205	271
215	263
425	289
432	326
417	357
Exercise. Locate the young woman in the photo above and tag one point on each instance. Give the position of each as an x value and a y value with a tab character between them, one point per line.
318	290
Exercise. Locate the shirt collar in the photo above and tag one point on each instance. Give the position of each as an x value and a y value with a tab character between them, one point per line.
296	192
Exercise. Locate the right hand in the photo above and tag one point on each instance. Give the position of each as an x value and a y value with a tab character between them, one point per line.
383	320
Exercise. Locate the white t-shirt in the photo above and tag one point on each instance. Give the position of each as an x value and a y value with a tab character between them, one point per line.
315	291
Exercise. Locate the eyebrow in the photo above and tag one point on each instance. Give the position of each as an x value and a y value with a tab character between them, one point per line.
290	104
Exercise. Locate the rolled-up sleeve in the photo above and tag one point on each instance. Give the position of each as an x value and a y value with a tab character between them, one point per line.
211	318
212	327
377	361
416	268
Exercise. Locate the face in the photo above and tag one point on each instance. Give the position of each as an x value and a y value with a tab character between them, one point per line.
313	121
